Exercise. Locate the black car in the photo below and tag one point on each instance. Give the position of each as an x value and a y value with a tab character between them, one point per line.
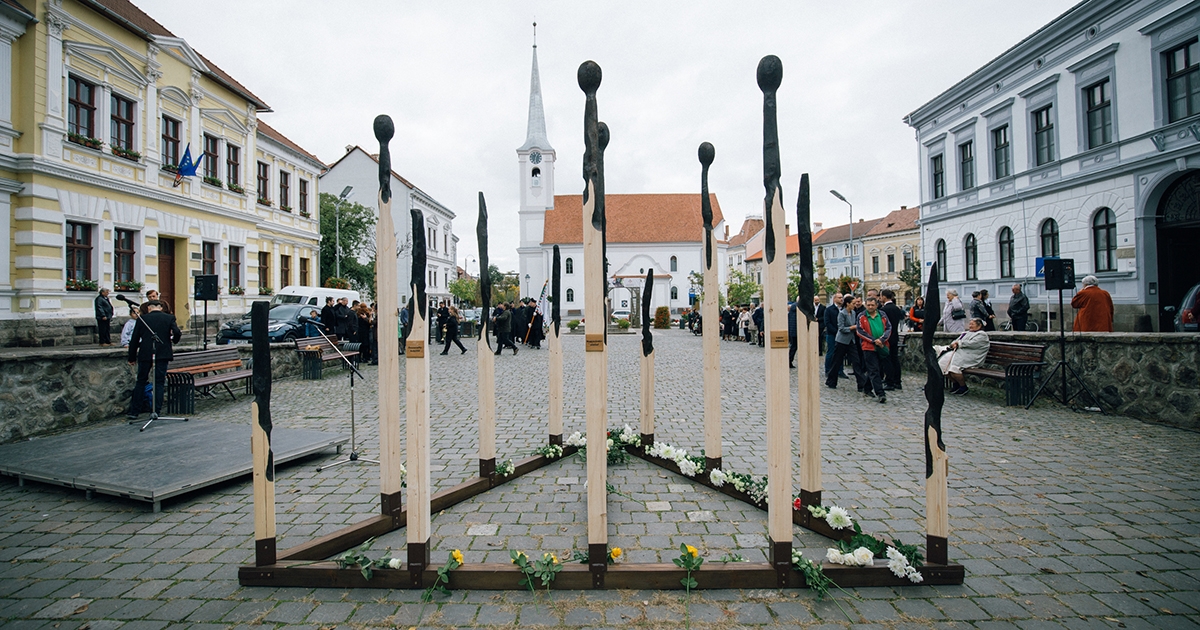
284	325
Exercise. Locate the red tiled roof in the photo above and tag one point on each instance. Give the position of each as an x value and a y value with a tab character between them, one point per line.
638	218
841	233
124	13
897	221
750	227
793	248
270	132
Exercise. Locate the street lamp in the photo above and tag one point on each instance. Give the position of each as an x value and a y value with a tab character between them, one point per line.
839	196
337	226
525	289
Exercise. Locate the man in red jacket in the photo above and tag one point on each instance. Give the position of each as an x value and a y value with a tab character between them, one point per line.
1094	306
873	332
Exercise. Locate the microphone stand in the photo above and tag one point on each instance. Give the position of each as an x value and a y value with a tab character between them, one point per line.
353	457
154	342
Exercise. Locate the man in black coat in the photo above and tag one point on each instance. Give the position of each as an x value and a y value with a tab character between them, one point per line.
343	320
146	351
504	330
819	310
443	318
104	315
892	362
328	316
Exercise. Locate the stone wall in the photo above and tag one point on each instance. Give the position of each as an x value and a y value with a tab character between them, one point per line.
43	390
1150	376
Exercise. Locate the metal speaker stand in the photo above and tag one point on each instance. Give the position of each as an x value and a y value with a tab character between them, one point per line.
354	456
154	417
1062	367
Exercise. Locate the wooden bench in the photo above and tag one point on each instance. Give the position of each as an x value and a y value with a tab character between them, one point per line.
315	351
1019	365
203	370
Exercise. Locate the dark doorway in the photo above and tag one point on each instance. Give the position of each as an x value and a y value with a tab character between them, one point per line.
166	271
1178	235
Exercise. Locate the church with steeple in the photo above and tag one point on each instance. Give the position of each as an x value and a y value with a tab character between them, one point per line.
663	232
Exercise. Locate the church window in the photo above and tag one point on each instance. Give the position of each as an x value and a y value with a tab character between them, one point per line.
674	293
570	295
570	269
674	264
537	176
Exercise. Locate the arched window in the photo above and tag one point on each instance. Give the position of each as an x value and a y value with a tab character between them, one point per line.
570	293
674	264
570	266
941	259
1049	238
971	254
1104	239
1006	253
537	176
674	293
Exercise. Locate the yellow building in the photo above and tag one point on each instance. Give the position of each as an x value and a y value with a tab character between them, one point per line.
102	103
890	246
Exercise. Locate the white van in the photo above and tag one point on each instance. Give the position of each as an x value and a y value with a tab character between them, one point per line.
313	296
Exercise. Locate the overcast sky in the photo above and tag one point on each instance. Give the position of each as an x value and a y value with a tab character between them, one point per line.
454	76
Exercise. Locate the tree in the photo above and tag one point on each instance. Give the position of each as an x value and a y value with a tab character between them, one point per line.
355	224
697	281
742	287
911	275
505	286
465	289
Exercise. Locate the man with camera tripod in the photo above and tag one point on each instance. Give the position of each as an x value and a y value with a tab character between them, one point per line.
146	351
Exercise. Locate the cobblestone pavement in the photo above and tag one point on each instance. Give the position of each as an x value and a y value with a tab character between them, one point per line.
1061	519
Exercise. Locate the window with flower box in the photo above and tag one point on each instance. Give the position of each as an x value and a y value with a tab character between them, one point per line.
302	203
233	166
123	253
170	141
285	191
212	145
264	183
79	251
235	266
264	270
121	128
81	108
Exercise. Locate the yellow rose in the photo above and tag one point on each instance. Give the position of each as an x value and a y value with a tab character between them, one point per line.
692	550
457	555
615	553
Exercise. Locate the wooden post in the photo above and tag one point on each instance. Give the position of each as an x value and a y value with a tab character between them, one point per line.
554	341
775	297
937	463
390	481
596	343
263	459
486	359
647	362
417	413
808	347
710	321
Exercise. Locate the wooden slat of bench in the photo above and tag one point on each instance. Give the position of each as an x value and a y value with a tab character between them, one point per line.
223	377
985	373
208	367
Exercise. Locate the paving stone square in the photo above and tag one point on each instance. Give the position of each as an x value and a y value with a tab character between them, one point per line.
1062	519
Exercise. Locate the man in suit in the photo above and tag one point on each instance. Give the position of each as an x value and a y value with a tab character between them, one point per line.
150	345
831	331
328	316
343	319
891	373
104	315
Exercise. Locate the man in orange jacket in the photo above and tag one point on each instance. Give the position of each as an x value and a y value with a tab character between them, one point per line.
1094	306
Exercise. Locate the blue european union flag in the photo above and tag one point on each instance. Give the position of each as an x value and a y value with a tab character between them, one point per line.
186	167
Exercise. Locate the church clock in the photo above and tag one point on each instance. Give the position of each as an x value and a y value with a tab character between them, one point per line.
535	157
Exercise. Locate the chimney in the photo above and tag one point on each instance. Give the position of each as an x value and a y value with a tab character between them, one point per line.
349	148
816	227
727	231
787	230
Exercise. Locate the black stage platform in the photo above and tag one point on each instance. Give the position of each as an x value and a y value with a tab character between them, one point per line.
167	460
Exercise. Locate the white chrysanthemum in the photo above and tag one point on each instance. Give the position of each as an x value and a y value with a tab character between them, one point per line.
576	439
394	563
688	468
863	557
915	576
717	477
817	511
838	518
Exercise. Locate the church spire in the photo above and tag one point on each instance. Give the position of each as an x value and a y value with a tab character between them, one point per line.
535	137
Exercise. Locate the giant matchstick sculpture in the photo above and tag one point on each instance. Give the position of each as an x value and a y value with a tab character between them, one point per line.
262	456
647	409
809	371
417	412
486	360
937	464
778	390
391	482
554	343
710	320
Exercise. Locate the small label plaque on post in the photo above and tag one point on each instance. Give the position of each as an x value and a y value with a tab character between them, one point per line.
594	343
779	339
415	349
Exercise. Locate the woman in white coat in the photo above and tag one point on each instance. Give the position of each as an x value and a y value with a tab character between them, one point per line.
968	351
949	322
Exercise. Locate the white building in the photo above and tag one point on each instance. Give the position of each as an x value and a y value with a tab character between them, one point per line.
1082	140
663	232
360	170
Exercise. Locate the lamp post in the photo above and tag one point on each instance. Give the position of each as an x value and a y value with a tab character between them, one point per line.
839	196
525	288
337	226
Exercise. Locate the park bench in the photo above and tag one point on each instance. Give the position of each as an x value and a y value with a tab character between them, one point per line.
315	351
1018	367
202	370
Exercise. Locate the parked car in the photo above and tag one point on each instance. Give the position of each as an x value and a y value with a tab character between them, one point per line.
1187	314
471	314
620	313
284	325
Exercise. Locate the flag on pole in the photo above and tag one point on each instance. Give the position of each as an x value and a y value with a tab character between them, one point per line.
186	167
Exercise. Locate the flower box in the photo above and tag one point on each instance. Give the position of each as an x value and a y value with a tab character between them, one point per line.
236	290
170	168
82	285
128	154
212	181
235	188
127	285
266	291
285	208
305	213
264	202
87	141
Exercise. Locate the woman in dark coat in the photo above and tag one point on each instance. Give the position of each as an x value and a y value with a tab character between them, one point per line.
452	331
363	333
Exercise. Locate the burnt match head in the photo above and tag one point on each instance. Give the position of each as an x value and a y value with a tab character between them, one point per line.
602	134
589	77
770	73
707	153
384	129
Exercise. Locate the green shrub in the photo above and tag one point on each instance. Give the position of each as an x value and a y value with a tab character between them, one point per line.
623	324
662	317
573	324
